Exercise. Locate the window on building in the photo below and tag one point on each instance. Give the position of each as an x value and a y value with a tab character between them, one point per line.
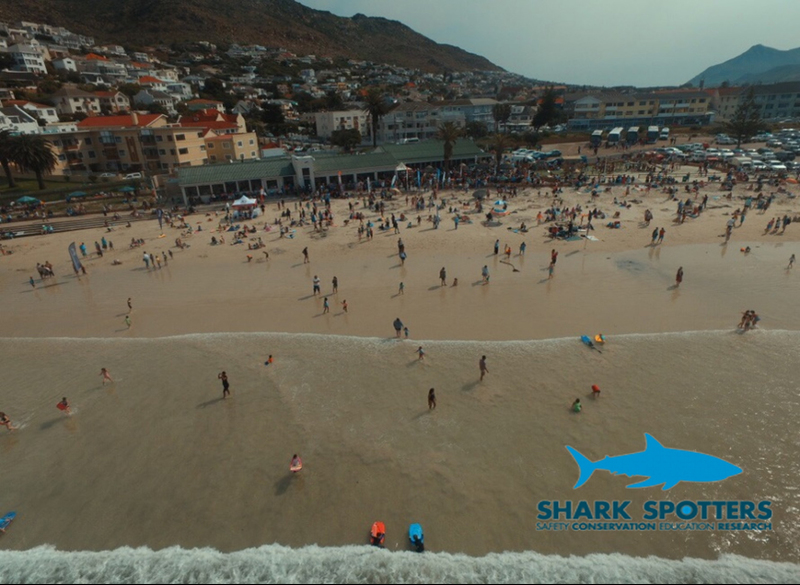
162	152
88	140
172	151
121	152
211	145
202	147
228	157
118	139
239	144
183	151
159	138
180	137
91	154
226	145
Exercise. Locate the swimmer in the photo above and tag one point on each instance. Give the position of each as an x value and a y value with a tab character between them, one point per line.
6	422
576	406
106	376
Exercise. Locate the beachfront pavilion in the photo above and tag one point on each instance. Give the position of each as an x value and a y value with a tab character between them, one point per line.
278	174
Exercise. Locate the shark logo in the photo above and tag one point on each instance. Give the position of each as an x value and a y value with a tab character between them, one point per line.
660	465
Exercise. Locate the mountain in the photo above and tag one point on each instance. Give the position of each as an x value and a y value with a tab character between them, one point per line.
756	64
272	23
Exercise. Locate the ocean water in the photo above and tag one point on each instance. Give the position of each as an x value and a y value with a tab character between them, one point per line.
312	564
169	482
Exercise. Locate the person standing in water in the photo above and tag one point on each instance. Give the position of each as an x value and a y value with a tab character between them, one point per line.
64	405
106	376
6	422
791	262
421	353
431	399
225	385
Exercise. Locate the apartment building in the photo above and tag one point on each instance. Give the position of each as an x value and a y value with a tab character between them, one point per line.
669	108
328	122
70	100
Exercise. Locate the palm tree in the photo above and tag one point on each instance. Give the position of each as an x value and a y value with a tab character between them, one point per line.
448	132
501	113
34	154
375	107
498	143
6	157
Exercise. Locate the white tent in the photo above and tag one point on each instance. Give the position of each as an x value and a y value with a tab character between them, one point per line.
401	168
244	201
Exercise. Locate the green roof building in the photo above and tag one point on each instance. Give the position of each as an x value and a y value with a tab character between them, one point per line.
308	171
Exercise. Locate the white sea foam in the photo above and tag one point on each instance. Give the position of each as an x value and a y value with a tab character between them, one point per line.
361	564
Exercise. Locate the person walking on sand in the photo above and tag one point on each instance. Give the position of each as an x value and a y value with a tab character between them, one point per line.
661	233
226	387
791	262
146	259
402	289
406	332
443	276
344	305
130	306
335	283
655	237
33	283
305	256
553	257
106	376
128	321
522	247
316	282
326	308
550	270
482	366
496	247
420	353
485	274
431	399
398	327
679	277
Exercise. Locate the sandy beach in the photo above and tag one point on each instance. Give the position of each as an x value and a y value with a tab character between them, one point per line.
159	459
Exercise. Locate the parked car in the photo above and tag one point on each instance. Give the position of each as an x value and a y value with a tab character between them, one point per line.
759	165
133	176
776	165
552	153
785	156
107	175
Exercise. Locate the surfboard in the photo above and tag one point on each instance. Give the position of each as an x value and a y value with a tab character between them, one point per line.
416	537
586	340
297	467
61	406
6	520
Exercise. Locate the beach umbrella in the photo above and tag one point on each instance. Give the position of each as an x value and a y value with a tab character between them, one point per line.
127	189
480	194
26	199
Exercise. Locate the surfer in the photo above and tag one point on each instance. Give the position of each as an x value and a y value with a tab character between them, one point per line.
225	385
106	376
6	422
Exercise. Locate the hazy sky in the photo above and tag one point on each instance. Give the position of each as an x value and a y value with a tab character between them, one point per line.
596	42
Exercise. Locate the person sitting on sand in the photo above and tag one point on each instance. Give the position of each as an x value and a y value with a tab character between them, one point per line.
576	406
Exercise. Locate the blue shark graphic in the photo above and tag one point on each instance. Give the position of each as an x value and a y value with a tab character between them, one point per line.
660	465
